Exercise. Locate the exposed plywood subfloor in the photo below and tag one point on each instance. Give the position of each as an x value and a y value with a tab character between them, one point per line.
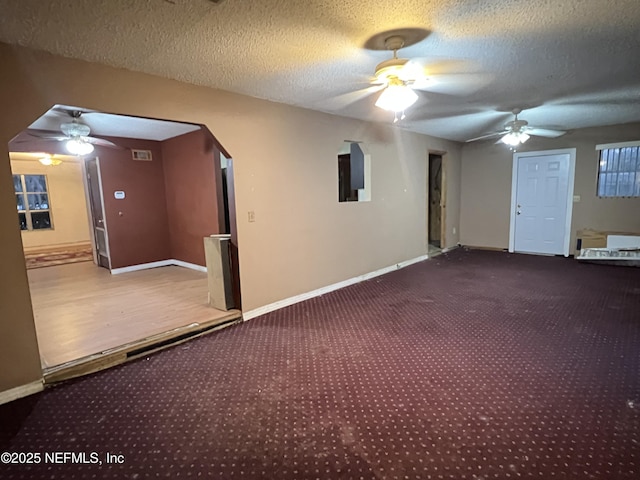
81	309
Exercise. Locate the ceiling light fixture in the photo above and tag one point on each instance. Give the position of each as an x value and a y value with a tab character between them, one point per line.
396	74
49	160
514	139
78	146
396	97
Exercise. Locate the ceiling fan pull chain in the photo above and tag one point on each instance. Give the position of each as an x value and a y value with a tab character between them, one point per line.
396	118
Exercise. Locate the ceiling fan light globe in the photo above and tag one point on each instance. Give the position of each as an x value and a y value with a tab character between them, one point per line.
77	146
396	98
512	139
515	138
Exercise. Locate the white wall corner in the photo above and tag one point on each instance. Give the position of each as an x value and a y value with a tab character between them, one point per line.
161	263
191	266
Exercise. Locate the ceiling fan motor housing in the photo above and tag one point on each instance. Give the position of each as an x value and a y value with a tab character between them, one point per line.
390	68
516	125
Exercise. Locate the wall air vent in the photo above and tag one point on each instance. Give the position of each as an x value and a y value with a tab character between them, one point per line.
142	155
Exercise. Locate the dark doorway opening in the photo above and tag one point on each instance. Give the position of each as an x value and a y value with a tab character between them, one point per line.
435	195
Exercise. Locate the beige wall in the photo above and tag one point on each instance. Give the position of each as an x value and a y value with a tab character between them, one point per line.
68	204
285	162
486	187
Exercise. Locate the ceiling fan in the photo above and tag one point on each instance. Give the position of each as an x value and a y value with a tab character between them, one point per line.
75	133
50	160
400	79
518	131
397	77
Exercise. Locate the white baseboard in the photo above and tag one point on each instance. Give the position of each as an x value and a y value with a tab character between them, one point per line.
330	288
161	263
21	391
448	249
141	266
192	266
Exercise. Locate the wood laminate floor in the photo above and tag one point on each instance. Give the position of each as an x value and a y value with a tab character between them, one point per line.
81	309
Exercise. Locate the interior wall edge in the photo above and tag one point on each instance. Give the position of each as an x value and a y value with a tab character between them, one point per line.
19	352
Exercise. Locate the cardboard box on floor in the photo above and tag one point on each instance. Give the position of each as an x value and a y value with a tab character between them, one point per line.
588	238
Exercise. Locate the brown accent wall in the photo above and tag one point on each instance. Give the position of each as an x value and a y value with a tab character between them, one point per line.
191	175
137	225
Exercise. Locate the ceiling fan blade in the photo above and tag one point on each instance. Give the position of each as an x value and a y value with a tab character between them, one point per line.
545	132
453	84
441	66
444	76
346	99
412	72
73	112
101	142
47	135
489	135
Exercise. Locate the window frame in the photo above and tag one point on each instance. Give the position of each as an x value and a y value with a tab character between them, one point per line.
28	212
619	156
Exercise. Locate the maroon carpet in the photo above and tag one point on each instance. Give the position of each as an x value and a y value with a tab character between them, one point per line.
474	365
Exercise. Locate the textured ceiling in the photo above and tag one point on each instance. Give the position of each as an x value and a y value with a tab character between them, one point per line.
568	63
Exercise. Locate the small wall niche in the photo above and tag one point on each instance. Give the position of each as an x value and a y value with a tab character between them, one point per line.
354	173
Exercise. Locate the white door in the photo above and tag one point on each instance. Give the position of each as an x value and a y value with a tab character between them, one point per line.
542	202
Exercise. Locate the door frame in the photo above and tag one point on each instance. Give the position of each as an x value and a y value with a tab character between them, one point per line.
443	197
87	193
514	187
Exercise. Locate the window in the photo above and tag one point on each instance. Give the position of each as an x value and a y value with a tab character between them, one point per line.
32	199
619	170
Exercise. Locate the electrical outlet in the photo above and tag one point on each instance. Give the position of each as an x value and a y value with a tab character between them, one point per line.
252	216
454	230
